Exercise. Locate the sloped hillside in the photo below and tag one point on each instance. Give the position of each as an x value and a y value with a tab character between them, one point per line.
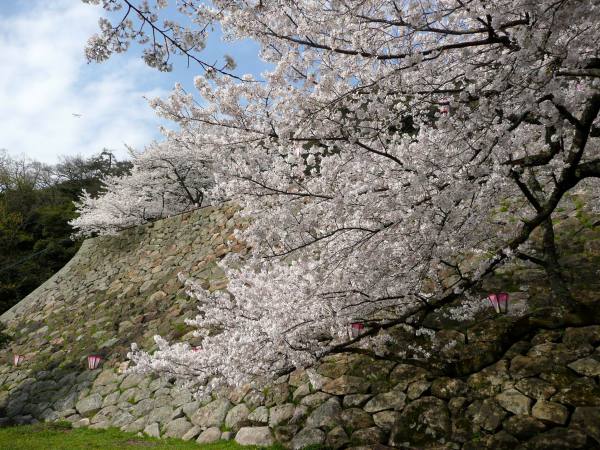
122	289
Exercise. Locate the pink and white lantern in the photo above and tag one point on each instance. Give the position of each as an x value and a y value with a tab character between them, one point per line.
499	301
94	361
18	359
356	328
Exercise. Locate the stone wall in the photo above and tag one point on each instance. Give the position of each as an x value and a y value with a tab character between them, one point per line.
523	381
543	393
123	289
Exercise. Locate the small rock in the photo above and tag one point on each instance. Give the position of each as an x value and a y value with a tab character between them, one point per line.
237	417
373	435
325	416
388	400
529	366
279	415
487	414
302	391
191	433
152	430
81	423
581	392
422	422
131	380
212	415
208	436
535	388
300	413
314	400
514	402
404	374
239	393
558	439
177	428
345	385
523	427
88	406
550	412
135	426
277	394
586	366
260	415
587	419
337	438
161	414
446	388
585	335
226	435
298	377
260	436
417	389
285	433
107	376
308	437
386	419
356	418
355	400
501	441
254	399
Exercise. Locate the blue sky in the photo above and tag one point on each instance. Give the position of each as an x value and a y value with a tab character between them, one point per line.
45	79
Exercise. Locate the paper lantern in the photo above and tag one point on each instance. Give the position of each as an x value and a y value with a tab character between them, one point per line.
18	359
94	361
356	328
499	301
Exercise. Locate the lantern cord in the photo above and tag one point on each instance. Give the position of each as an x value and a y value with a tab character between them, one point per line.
10	266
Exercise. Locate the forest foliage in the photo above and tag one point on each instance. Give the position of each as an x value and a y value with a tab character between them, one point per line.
36	204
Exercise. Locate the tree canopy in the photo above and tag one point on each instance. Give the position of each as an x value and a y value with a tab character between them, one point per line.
372	159
36	204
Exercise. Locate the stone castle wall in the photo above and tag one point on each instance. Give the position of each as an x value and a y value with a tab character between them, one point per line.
515	382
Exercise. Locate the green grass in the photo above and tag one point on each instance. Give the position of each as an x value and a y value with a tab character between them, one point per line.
60	436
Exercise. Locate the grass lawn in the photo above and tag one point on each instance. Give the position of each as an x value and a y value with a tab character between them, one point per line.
60	436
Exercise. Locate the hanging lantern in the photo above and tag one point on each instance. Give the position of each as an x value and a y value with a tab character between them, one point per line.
356	328
499	301
503	302
94	361
18	359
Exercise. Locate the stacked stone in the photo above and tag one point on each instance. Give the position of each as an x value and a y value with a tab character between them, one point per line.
542	394
123	289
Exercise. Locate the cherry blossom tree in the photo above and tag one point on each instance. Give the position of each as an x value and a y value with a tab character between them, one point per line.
373	159
167	178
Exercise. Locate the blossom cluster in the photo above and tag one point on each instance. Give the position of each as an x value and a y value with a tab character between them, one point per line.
397	153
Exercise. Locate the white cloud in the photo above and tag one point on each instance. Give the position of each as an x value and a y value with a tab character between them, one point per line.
45	79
